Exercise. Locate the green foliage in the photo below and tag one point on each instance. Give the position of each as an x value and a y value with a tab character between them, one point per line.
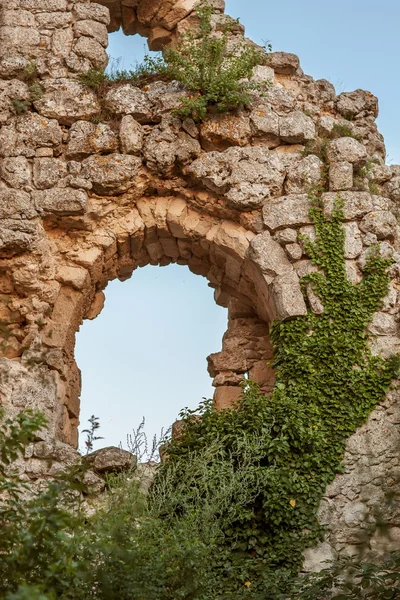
353	579
327	384
36	537
340	130
20	106
213	68
150	69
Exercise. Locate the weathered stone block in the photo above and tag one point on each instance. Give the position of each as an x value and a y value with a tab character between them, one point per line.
67	101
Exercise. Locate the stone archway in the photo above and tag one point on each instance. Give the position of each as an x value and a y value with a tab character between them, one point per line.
83	202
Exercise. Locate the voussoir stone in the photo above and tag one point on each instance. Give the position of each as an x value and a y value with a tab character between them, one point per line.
128	99
61	201
346	149
67	101
268	255
88	138
247	176
296	128
111	460
287	211
111	174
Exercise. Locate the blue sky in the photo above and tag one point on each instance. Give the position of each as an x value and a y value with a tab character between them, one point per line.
145	355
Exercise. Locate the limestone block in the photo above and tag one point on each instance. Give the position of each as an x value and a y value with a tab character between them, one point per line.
47	172
128	99
131	135
222	131
291	210
286	236
91	11
383	324
268	255
233	359
111	174
265	124
93	29
61	42
357	104
88	47
283	62
17	236
304	174
77	277
226	396
61	201
16	204
165	96
263	375
38	131
178	11
16	172
53	20
24	41
353	244
318	558
159	38
346	149
288	297
43	5
96	307
87	138
356	204
67	101
296	128
231	238
380	222
262	74
167	146
294	251
392	188
246	175
111	460
177	213
340	176
22	18
9	90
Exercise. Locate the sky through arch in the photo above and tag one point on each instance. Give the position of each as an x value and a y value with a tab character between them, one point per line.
145	354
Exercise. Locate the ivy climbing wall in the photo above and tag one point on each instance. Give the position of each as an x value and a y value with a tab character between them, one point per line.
95	185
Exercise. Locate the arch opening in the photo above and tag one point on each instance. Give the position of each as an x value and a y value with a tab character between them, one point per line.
144	356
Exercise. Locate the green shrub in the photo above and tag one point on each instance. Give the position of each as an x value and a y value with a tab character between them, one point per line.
213	68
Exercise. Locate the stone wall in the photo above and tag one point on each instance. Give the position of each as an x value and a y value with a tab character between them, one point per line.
84	200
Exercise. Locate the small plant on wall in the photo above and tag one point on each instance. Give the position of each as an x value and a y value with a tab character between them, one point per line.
214	66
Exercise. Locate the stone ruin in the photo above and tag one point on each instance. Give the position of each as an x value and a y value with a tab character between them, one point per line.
84	200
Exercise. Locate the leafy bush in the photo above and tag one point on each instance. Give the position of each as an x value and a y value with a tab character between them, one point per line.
213	68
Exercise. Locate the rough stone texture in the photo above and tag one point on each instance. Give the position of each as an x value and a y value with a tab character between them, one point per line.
111	460
93	188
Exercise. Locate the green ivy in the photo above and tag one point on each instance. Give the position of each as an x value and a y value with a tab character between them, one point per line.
327	383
